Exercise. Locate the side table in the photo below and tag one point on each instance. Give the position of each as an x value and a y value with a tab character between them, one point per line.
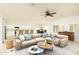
9	43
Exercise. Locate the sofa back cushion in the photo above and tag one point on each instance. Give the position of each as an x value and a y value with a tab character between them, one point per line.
44	35
28	36
36	35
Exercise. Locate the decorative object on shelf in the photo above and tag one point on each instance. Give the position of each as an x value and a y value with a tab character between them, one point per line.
41	31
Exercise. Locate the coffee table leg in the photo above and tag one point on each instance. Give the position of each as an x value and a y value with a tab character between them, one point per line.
46	51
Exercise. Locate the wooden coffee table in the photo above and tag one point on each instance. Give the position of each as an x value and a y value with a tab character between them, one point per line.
45	45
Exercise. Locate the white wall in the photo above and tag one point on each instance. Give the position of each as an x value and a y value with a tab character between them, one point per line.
2	24
0	29
46	23
66	21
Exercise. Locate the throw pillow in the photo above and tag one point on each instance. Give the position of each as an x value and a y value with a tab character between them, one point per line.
21	37
28	36
44	35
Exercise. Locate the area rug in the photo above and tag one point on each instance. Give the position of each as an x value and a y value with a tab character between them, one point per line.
71	49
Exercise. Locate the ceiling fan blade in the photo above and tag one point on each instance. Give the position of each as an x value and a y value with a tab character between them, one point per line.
53	13
49	15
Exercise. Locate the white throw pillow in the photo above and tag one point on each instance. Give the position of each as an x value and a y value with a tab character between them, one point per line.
21	37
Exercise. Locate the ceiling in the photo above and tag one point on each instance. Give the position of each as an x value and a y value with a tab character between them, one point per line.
35	11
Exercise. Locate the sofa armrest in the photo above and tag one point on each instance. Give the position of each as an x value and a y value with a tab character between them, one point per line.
63	42
18	44
36	35
63	36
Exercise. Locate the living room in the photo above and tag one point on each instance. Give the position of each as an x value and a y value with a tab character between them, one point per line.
46	22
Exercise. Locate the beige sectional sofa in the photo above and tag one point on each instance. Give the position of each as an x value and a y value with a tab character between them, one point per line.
62	41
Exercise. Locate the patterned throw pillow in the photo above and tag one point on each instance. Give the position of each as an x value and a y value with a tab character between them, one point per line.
21	37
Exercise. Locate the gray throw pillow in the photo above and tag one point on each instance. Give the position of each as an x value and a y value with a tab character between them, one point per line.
28	36
45	35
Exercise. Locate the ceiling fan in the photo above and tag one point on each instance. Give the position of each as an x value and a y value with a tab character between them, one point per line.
48	13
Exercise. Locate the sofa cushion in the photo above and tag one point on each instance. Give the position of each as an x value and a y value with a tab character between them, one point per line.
36	35
21	37
56	41
28	36
40	39
28	43
44	35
